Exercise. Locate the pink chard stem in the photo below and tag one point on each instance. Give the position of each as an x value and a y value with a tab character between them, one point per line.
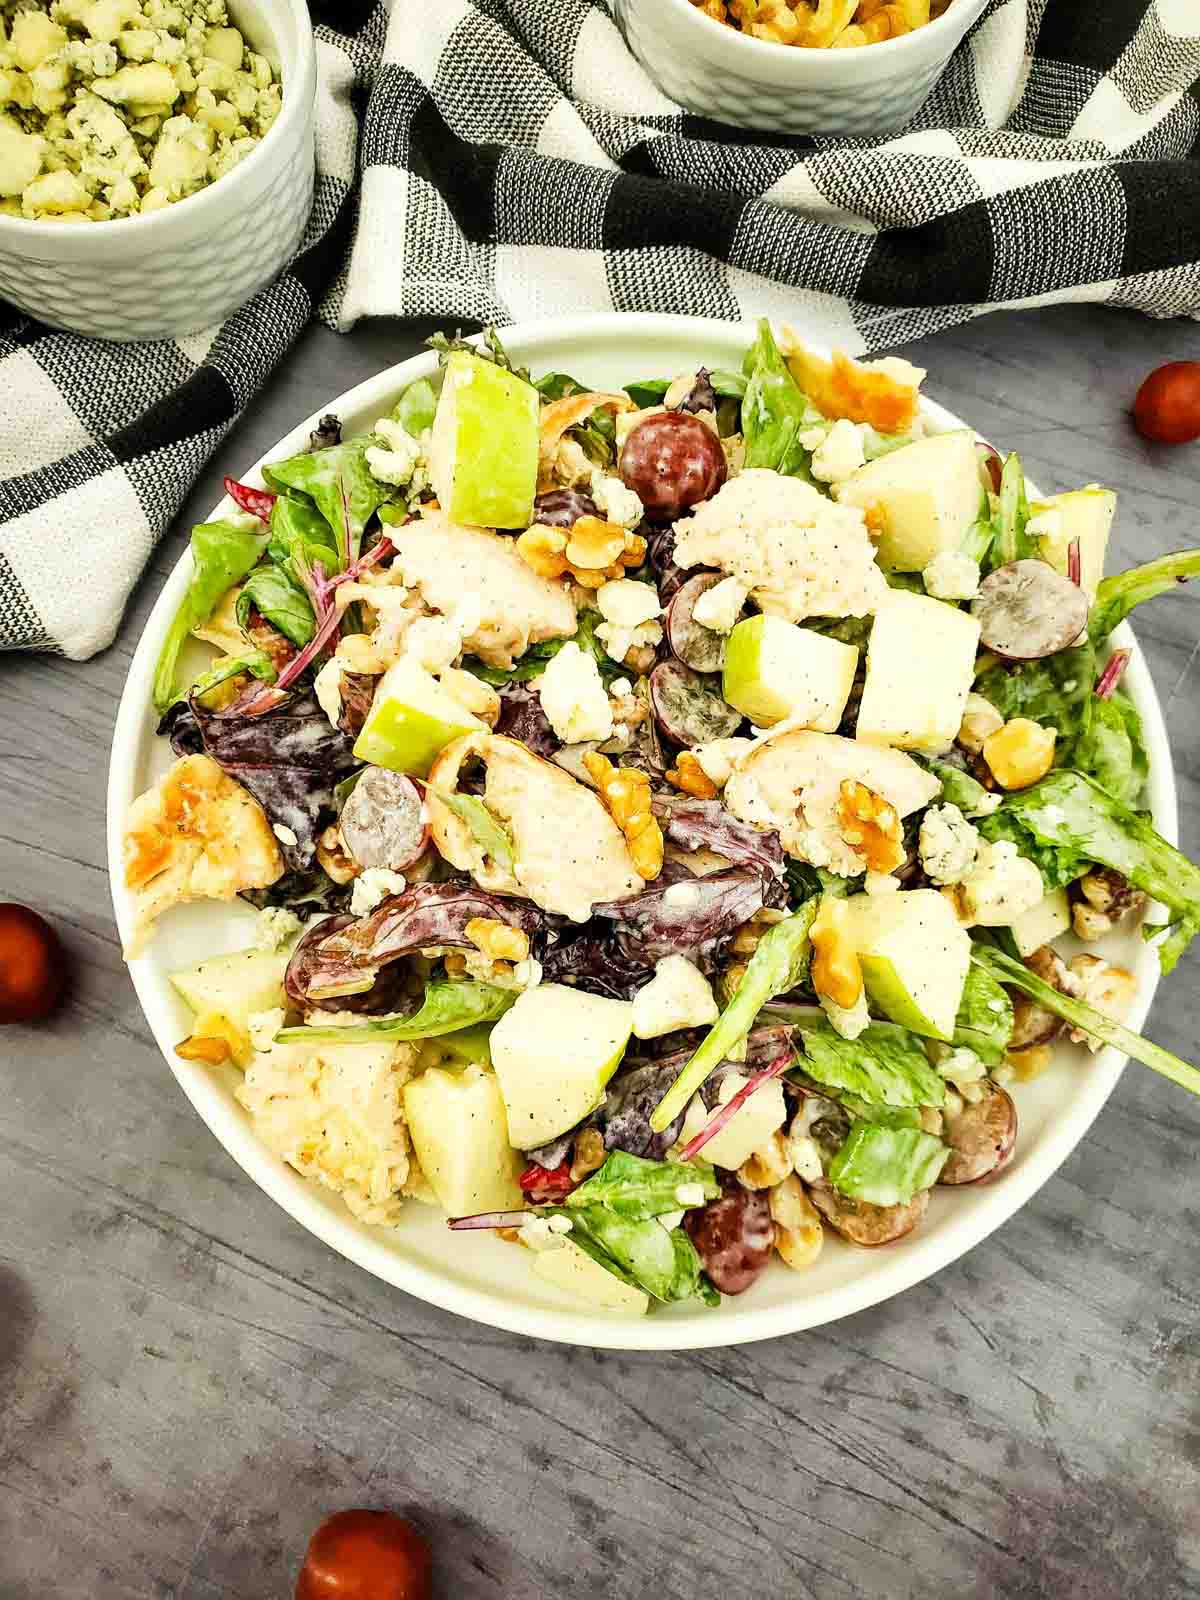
1074	565
1113	672
257	502
487	1219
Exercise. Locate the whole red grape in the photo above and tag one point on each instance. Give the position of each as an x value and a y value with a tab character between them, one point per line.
365	1555
1167	408
672	461
32	966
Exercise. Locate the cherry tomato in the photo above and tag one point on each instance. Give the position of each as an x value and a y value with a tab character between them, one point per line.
672	461
32	966
365	1555
1167	408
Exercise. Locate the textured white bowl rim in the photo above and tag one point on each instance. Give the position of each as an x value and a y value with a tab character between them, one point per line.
153	223
894	48
898	1268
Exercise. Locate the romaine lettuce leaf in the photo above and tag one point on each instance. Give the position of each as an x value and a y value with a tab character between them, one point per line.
887	1165
885	1065
638	1189
774	410
1117	595
1111	748
778	964
1080	1015
985	1017
664	1264
446	1008
1069	816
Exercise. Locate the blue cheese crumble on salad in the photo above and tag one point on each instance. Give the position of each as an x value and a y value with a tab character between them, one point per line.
681	817
113	108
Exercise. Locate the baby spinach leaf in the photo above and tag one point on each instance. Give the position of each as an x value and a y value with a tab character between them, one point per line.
1080	1015
274	595
446	1008
339	482
985	1017
256	662
778	964
222	554
300	536
774	410
1117	595
885	1065
489	835
886	1165
637	1188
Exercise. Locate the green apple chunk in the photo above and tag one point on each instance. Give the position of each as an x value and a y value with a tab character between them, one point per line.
914	955
1083	514
411	721
483	451
920	667
553	1053
926	494
460	1133
237	985
1041	923
775	671
573	1270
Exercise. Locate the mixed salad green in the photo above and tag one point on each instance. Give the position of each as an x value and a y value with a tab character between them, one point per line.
680	818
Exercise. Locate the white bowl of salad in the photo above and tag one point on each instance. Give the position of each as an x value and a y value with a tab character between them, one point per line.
608	853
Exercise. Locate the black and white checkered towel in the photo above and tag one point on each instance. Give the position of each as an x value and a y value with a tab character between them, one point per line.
494	160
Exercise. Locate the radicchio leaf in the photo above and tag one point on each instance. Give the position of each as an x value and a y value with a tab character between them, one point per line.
694	918
357	691
701	396
386	994
427	915
637	1089
327	432
305	893
660	552
521	717
706	825
597	962
288	759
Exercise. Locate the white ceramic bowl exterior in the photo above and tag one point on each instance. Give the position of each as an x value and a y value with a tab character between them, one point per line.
473	1274
720	73
191	265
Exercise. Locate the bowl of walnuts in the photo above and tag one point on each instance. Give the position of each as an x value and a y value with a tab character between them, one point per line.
859	67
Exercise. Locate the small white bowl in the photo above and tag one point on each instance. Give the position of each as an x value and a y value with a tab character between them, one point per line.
725	75
192	264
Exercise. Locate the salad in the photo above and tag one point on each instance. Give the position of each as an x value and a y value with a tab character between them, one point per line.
680	818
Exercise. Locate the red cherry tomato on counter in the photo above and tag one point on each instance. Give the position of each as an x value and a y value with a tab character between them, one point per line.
1167	408
365	1555
32	966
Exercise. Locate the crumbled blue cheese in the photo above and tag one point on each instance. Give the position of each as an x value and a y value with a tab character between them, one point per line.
399	458
327	687
614	501
951	575
836	451
849	1021
965	1072
1000	886
720	607
573	697
948	844
544	1233
124	105
719	757
627	603
372	885
276	927
678	996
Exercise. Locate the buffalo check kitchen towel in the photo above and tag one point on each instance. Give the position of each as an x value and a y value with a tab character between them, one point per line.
494	160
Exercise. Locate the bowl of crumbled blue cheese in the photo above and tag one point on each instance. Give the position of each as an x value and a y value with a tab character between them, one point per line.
156	158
